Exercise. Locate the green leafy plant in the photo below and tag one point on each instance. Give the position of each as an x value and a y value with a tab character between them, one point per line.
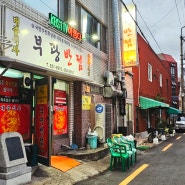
170	130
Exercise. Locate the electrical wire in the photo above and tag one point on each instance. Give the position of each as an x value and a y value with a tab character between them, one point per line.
149	30
158	21
163	17
47	5
178	13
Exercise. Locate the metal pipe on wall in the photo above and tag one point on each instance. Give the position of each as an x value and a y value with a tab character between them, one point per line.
117	49
71	112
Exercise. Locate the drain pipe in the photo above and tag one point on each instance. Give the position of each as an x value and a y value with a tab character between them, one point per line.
117	45
117	48
71	112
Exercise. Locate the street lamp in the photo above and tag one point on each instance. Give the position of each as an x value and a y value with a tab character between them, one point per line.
182	69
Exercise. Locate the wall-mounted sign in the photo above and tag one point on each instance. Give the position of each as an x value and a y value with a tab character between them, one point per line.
86	102
100	114
39	46
129	52
8	86
62	26
42	94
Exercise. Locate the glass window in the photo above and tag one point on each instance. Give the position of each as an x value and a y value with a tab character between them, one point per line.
172	70
149	72
63	10
161	80
89	25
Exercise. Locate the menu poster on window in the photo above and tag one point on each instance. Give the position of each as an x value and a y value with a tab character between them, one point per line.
60	119
59	97
42	129
15	118
9	86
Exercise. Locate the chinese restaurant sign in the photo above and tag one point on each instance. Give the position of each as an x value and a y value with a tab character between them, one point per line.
64	27
60	119
129	52
38	46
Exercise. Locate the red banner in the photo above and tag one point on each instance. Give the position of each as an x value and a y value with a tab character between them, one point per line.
15	118
42	129
8	86
60	119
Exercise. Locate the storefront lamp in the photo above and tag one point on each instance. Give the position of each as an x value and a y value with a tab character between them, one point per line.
93	37
72	23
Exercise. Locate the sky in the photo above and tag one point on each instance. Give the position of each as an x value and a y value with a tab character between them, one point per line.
159	20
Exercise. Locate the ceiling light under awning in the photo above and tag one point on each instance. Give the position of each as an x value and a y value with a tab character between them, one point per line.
11	73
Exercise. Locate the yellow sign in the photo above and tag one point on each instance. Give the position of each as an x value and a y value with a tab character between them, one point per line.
129	51
42	94
86	102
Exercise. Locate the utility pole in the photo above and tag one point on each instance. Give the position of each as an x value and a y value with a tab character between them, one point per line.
182	69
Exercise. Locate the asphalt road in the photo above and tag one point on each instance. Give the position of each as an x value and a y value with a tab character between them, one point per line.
163	164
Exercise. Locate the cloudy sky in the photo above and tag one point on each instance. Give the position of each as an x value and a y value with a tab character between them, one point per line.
160	21
162	24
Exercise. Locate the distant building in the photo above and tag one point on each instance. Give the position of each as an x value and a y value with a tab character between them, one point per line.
155	87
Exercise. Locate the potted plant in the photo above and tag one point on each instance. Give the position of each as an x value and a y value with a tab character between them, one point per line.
161	126
170	130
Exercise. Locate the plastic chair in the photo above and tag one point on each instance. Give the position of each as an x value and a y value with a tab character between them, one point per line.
117	154
133	148
128	146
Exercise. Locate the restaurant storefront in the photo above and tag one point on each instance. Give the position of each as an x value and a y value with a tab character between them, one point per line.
42	72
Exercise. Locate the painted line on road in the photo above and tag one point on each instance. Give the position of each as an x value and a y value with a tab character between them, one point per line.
178	137
134	174
167	147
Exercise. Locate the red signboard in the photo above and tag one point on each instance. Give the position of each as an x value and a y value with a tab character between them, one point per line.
59	97
15	118
42	129
60	119
8	86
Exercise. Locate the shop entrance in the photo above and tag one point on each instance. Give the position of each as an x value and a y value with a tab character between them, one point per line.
42	119
36	107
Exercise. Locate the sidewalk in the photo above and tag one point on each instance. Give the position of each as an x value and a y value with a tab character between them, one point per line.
44	175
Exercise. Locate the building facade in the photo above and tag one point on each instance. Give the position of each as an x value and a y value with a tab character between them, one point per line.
57	83
155	85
